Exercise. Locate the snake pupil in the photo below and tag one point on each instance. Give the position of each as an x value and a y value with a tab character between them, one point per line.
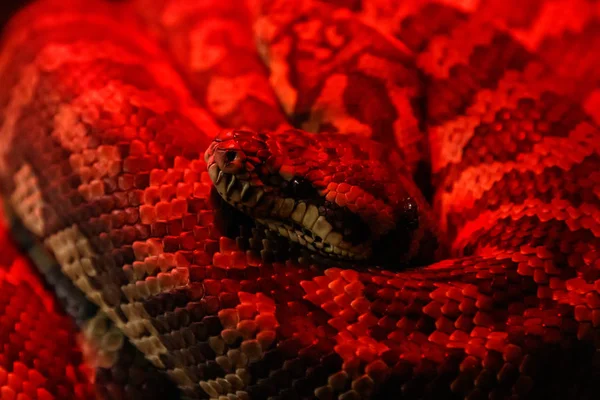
410	213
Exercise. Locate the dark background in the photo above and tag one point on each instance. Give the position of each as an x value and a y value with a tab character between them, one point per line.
8	8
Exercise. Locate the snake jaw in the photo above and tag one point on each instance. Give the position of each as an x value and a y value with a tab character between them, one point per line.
235	189
296	221
331	247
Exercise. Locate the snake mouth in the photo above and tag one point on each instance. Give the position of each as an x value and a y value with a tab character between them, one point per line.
235	189
299	221
330	246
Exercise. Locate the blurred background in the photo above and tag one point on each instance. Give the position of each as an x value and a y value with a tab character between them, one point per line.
8	8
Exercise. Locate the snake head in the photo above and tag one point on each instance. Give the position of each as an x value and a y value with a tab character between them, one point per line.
336	195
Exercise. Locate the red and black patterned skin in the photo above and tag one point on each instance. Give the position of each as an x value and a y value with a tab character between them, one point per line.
107	110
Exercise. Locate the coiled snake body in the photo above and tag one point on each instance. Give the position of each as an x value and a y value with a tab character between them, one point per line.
107	112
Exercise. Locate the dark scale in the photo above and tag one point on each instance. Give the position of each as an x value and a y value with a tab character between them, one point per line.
132	378
354	229
228	219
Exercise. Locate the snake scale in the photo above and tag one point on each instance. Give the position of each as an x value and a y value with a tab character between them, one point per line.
295	256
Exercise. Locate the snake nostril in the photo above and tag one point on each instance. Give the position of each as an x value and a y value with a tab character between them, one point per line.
230	156
230	160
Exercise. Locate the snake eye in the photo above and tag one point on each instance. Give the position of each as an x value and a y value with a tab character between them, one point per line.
302	189
410	213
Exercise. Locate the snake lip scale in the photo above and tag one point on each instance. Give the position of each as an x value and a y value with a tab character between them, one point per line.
245	199
224	200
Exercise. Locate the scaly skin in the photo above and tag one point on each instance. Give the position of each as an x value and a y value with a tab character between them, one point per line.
103	135
343	198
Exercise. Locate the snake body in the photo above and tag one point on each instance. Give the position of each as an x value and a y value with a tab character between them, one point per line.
107	110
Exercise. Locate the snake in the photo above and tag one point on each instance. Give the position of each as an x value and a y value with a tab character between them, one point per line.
281	199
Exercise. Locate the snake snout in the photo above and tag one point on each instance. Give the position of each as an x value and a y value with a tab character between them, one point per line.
232	160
